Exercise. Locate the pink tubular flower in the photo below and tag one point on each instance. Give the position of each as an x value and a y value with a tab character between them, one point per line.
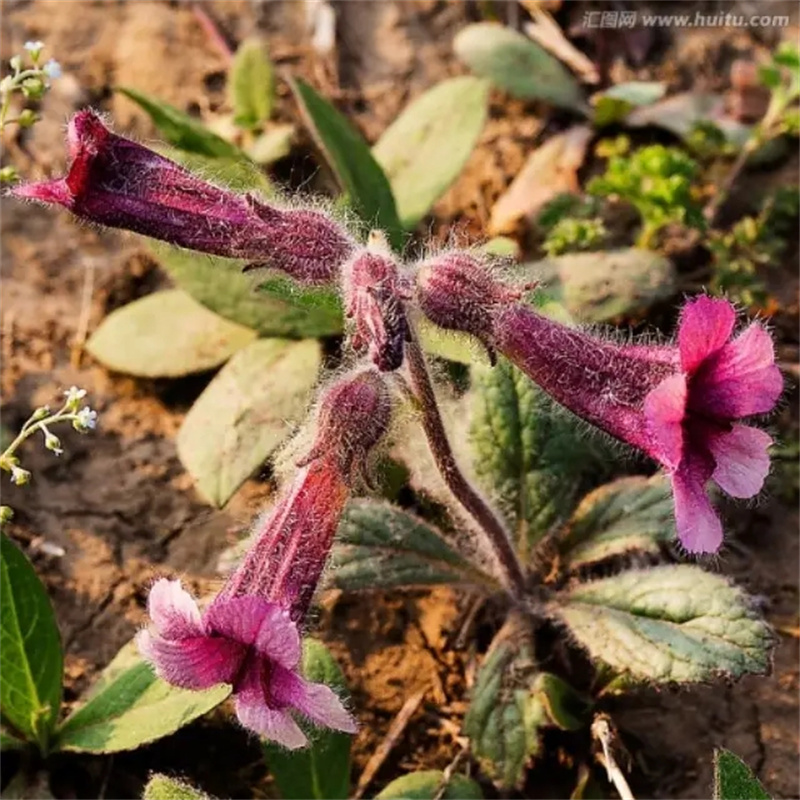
680	405
118	183
249	636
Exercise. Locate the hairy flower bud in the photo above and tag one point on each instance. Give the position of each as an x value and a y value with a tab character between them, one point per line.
374	292
458	292
682	405
119	183
353	415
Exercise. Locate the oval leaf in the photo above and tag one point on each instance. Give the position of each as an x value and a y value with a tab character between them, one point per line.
245	413
349	156
597	287
633	513
672	623
505	713
181	130
322	770
166	335
31	661
423	151
162	787
251	84
379	546
535	460
430	784
277	307
134	708
733	779
513	62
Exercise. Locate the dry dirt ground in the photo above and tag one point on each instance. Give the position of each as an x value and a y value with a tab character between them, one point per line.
121	506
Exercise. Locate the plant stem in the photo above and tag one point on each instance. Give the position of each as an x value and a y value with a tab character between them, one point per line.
488	521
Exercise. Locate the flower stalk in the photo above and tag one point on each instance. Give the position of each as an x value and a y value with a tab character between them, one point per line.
488	521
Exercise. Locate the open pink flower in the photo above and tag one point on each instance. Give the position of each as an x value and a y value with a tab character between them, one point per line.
249	642
680	405
249	636
693	416
119	183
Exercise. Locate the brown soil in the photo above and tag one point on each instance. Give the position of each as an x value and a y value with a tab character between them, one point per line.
120	504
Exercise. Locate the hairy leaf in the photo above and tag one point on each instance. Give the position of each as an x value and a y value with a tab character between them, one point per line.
322	770
162	787
423	151
181	130
380	546
134	708
733	779
273	306
534	459
633	513
349	156
246	412
430	784
31	660
166	335
251	86
513	62
672	623
505	713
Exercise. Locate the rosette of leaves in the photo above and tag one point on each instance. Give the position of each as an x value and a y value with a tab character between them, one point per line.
596	549
263	334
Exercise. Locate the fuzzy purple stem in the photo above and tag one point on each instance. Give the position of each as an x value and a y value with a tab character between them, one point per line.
488	521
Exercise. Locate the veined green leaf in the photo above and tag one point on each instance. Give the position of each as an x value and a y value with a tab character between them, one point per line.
31	660
667	624
733	779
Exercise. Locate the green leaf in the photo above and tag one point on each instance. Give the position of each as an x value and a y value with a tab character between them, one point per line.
667	624
505	713
133	709
275	306
533	459
633	513
424	150
322	770
349	156
518	65
251	84
273	144
614	104
236	174
246	412
451	345
31	660
566	708
10	742
181	130
733	779
166	335
429	784
162	787
380	546
601	286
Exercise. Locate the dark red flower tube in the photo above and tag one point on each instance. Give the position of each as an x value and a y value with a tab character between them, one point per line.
119	183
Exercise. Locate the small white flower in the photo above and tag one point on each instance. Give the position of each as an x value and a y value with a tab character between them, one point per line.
33	47
85	420
52	69
19	476
74	395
